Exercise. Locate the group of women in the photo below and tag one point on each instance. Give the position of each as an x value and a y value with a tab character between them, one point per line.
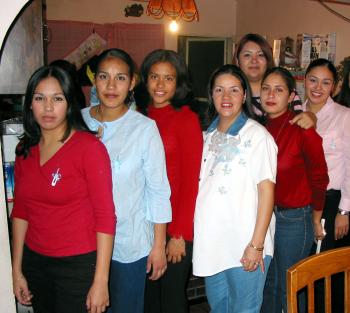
146	189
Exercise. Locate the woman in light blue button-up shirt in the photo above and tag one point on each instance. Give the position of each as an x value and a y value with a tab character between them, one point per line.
140	185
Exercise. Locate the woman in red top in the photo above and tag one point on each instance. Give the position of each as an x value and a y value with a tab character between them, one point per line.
63	219
300	186
254	57
165	95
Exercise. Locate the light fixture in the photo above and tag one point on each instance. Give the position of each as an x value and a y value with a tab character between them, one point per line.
173	26
175	9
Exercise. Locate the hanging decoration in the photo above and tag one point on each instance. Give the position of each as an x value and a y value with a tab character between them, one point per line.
91	46
175	9
135	10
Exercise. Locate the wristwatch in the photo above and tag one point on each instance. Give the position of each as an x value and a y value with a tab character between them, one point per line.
343	212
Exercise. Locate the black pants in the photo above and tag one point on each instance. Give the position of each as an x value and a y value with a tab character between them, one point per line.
59	285
168	294
329	242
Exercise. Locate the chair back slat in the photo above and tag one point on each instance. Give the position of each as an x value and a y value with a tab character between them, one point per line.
327	294
310	297
316	267
347	291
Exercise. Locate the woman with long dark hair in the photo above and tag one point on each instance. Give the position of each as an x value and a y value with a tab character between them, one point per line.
63	218
300	186
333	125
165	95
254	57
140	187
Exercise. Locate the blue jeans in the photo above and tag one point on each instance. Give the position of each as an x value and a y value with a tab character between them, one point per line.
293	241
127	286
235	290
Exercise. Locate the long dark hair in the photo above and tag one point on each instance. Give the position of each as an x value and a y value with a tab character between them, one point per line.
290	83
323	63
238	73
284	74
261	42
32	131
126	58
183	94
72	70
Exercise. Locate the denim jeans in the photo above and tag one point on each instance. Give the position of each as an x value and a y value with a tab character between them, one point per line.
293	241
127	286
235	290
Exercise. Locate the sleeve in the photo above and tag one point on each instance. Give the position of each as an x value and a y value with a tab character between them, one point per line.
345	187
157	189
316	167
97	169
190	154
264	159
19	209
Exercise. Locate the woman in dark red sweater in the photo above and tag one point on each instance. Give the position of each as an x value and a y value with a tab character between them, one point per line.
165	95
300	186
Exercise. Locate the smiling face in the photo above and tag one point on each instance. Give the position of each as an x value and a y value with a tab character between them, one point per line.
228	97
49	105
319	83
275	95
113	83
161	83
252	61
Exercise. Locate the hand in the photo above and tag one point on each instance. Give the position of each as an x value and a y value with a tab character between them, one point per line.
319	231
341	226
305	120
175	250
98	298
251	259
156	262
20	289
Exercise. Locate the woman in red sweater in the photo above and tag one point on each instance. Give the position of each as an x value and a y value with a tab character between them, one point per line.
165	95
63	219
300	186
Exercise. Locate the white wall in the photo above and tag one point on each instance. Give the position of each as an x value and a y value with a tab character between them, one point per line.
280	18
217	20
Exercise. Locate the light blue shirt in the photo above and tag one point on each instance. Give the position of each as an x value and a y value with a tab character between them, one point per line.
141	189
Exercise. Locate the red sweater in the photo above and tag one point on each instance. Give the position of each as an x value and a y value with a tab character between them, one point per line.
183	142
302	177
64	214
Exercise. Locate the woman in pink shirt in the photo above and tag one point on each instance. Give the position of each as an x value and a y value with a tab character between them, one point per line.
333	125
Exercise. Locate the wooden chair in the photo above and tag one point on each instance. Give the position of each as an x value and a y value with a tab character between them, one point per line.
323	265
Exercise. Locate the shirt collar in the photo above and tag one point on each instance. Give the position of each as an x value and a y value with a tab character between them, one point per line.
324	110
234	128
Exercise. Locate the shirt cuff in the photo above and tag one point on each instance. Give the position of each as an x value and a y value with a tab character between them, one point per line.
344	204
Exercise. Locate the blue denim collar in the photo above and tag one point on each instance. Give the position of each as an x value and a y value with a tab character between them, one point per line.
234	128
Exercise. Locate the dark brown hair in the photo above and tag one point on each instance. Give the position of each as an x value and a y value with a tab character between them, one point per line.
261	42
